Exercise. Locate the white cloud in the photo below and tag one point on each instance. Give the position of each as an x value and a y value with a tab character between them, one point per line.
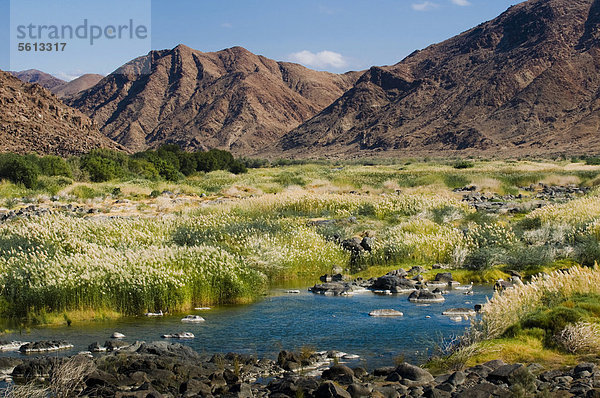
321	59
461	3
425	6
226	25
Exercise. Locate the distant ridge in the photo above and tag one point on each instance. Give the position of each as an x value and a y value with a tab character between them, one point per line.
37	76
34	120
527	82
230	99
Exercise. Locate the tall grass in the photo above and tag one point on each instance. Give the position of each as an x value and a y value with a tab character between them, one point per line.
512	305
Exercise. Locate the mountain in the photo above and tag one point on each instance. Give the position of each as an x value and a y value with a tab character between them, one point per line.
527	82
230	99
33	120
77	85
37	76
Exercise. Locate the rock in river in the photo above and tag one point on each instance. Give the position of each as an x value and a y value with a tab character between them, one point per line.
425	296
182	335
192	319
459	312
379	313
44	346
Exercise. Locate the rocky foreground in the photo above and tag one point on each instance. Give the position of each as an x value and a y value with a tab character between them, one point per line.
162	369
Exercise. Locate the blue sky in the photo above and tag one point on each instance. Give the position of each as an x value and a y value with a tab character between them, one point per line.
334	35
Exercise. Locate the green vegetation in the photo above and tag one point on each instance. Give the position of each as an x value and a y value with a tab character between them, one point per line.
550	320
189	231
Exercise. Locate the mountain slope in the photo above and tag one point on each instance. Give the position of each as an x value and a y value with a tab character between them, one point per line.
527	82
34	120
231	99
77	85
36	76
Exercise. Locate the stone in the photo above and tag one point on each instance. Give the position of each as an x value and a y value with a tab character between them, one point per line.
329	389
587	367
367	243
241	390
193	387
358	391
444	277
414	375
385	313
425	296
353	245
339	373
457	378
509	373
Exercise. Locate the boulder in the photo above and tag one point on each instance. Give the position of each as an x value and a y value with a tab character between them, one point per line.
330	390
459	312
413	375
367	243
509	373
392	282
398	272
417	269
44	346
425	296
385	313
353	245
339	373
358	391
444	277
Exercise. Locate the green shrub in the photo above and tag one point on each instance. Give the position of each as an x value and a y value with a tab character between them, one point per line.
555	319
454	181
587	251
85	192
463	164
19	170
524	257
52	185
485	258
54	166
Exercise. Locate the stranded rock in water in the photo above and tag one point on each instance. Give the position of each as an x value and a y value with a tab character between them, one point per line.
380	313
193	319
459	312
45	346
425	296
182	335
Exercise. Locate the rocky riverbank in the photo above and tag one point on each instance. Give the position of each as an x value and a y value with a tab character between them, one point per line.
162	369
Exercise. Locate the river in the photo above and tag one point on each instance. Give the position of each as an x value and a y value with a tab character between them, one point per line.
291	321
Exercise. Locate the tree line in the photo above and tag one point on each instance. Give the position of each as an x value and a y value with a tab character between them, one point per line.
168	162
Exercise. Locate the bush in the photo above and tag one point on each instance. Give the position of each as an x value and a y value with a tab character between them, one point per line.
104	165
463	164
485	258
521	258
85	192
54	166
454	181
19	170
580	338
587	251
554	320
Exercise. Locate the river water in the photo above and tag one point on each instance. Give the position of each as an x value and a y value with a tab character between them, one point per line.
291	321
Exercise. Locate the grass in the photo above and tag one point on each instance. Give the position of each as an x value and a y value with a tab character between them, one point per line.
223	238
522	349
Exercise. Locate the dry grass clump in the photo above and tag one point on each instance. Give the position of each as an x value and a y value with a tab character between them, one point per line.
510	306
580	338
